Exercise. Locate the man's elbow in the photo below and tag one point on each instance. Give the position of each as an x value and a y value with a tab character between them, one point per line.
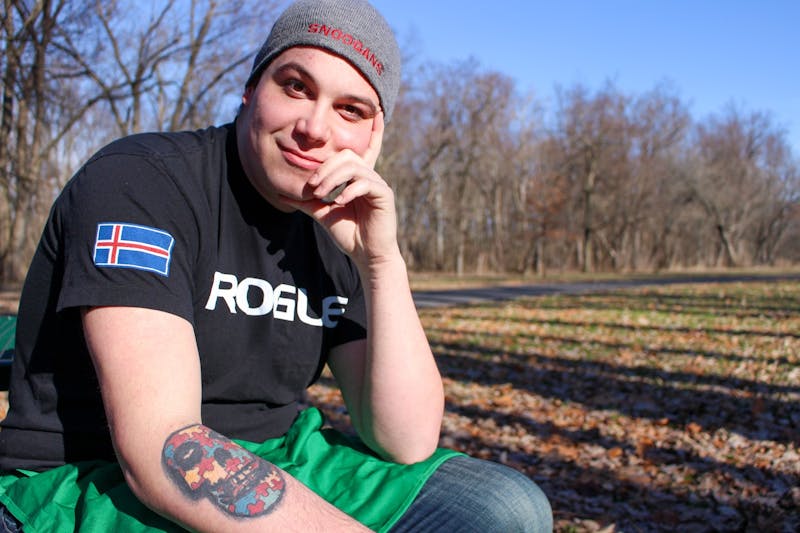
138	486
412	451
415	456
147	490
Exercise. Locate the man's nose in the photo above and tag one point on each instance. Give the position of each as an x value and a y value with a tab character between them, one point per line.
313	124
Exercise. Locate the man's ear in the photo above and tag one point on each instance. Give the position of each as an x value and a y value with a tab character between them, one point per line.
248	93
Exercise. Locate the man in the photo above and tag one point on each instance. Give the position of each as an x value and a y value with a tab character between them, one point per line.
189	286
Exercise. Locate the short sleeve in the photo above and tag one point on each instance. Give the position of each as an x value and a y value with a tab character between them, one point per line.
131	235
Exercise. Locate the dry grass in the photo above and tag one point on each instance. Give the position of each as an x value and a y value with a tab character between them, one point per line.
670	408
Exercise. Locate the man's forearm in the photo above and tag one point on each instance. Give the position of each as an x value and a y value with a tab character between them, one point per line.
220	486
403	399
205	465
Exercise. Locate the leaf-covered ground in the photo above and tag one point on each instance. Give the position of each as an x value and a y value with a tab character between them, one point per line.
656	409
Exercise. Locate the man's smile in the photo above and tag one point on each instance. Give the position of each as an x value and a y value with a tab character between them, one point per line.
299	159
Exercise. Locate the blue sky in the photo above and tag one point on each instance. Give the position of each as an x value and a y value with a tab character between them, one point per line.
713	52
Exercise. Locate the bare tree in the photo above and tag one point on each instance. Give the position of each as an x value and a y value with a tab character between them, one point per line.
740	183
594	133
545	201
105	69
777	211
470	175
653	197
29	125
169	65
411	149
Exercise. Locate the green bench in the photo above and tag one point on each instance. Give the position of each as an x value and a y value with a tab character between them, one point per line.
8	329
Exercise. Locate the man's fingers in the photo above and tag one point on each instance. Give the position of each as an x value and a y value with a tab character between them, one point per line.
331	196
340	170
375	141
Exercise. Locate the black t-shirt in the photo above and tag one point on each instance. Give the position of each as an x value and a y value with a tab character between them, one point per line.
170	222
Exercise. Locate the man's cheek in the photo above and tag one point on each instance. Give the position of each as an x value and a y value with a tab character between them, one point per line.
356	139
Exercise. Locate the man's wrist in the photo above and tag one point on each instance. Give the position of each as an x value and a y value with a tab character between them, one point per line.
387	268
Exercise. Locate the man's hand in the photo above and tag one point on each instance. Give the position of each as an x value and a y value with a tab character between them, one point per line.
362	218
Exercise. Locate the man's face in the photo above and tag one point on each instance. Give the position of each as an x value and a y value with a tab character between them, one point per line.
308	105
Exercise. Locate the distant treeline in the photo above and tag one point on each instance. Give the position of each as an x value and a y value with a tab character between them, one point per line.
487	179
491	180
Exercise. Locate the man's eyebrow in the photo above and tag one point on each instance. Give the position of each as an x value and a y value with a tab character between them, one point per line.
364	101
295	66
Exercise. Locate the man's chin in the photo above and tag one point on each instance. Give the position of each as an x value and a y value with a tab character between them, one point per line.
281	202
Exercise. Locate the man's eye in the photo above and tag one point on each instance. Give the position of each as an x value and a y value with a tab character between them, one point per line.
295	86
352	112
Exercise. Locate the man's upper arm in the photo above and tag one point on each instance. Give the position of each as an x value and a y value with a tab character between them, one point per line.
347	363
149	373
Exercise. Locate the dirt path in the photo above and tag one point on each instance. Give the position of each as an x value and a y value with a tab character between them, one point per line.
450	297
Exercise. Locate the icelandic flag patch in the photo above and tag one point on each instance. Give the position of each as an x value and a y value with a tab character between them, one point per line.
133	246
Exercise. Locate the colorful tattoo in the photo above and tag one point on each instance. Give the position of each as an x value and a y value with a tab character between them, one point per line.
203	463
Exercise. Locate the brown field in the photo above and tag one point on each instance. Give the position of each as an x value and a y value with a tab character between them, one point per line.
654	409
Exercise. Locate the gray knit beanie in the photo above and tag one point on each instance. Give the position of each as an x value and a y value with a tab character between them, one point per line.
352	29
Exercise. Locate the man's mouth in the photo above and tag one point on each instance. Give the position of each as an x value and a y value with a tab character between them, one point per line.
298	159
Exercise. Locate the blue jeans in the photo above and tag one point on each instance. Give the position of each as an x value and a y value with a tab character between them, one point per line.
467	494
8	523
